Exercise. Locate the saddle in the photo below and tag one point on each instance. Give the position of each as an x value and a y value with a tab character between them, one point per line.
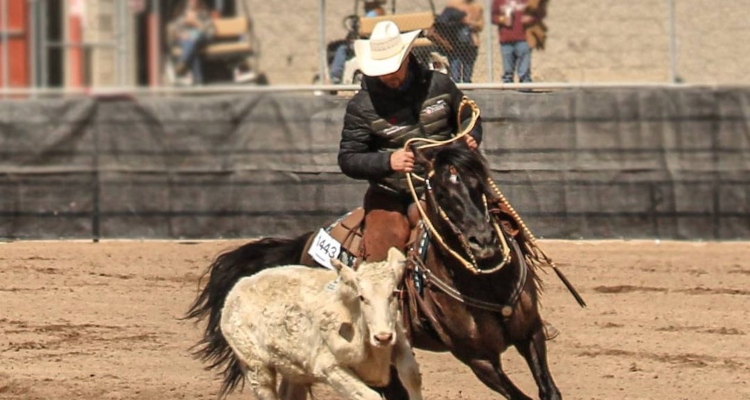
343	238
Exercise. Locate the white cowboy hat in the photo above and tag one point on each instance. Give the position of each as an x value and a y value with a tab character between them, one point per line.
384	52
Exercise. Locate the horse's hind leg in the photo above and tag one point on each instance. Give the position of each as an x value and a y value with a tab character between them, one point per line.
491	374
534	351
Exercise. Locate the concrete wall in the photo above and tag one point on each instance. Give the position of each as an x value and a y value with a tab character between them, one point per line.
589	40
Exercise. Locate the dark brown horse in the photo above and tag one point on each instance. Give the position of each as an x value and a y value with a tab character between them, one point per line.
473	293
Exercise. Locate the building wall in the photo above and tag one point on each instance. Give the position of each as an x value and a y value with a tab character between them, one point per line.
588	40
104	22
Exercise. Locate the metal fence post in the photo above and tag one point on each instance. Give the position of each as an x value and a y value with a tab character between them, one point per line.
672	44
322	43
490	49
43	45
126	42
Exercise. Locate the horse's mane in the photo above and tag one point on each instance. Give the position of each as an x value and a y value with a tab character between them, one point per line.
464	159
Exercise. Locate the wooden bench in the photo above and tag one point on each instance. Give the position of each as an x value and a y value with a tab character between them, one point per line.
405	22
230	39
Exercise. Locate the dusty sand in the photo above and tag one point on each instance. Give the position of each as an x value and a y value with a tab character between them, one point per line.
100	321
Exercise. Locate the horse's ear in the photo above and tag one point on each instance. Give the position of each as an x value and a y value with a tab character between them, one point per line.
422	157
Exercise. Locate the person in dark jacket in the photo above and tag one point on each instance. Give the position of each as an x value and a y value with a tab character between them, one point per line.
399	100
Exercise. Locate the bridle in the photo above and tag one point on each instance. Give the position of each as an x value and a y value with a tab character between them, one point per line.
469	262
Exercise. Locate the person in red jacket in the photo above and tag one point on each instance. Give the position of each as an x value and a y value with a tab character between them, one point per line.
511	18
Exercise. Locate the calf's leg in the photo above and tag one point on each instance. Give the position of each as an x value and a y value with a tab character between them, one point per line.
408	369
349	386
262	381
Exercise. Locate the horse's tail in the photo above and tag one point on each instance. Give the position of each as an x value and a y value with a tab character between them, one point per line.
228	268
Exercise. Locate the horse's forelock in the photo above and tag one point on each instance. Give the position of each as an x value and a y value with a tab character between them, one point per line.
463	159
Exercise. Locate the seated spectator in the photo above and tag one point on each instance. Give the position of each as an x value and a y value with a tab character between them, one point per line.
190	30
373	8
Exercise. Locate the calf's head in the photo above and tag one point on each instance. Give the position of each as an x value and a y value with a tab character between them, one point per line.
373	289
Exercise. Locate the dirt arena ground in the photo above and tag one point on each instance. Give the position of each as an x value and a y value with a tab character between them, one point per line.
100	321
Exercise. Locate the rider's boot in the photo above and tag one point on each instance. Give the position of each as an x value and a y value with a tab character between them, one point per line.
386	224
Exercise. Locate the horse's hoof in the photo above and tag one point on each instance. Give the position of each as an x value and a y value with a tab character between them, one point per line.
550	332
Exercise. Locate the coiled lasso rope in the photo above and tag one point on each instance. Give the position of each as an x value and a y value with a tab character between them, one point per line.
470	264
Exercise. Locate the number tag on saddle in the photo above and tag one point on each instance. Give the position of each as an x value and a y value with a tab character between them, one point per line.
324	248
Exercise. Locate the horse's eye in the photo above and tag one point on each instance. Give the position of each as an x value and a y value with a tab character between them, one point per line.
362	299
453	179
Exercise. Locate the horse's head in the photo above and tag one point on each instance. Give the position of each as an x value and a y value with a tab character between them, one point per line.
373	289
457	199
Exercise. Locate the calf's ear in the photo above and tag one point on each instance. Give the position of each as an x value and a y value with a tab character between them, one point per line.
397	262
346	273
337	264
394	254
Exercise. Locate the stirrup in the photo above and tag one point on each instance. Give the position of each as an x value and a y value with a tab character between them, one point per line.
550	332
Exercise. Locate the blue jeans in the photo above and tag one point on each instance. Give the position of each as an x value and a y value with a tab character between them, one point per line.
462	64
189	55
336	72
516	58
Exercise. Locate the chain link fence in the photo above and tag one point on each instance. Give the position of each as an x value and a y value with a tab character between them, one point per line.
653	41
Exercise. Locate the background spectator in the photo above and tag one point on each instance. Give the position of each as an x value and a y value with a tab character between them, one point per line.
190	30
512	19
463	20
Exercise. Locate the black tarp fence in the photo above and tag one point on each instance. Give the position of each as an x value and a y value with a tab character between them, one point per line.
669	163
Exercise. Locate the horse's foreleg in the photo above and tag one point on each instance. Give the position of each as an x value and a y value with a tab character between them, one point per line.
408	369
290	391
534	351
492	375
395	389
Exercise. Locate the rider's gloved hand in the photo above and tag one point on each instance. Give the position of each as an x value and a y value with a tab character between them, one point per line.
471	142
